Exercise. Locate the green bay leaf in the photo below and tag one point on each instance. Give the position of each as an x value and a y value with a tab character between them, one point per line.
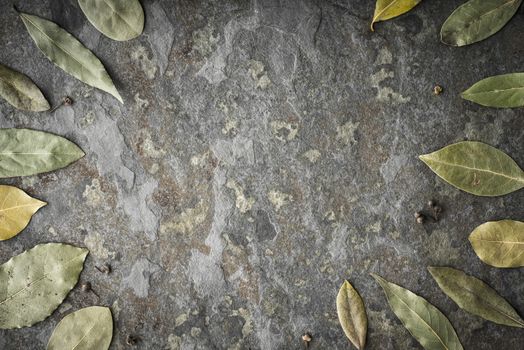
20	91
499	243
500	91
27	152
476	168
34	283
352	315
475	296
424	321
477	20
387	9
68	53
117	19
86	329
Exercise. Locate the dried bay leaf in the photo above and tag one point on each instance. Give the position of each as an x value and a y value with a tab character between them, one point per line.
387	9
86	329
424	321
476	168
352	315
500	91
117	19
475	296
68	53
477	20
499	243
34	283
27	152
16	210
20	91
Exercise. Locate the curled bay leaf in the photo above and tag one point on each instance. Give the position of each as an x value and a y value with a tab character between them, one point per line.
27	152
500	91
424	321
475	296
16	210
117	19
20	91
499	243
86	329
477	20
476	168
387	9
68	53
34	283
352	315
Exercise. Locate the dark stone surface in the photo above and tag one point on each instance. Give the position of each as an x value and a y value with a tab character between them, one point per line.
266	151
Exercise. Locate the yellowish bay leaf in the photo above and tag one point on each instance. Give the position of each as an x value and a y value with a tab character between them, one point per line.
89	328
352	315
499	243
16	210
17	89
387	9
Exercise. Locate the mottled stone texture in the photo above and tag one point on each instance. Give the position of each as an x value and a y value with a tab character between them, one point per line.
266	151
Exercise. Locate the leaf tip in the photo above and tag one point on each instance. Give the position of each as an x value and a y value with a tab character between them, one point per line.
84	252
44	108
432	270
423	157
116	94
464	94
381	281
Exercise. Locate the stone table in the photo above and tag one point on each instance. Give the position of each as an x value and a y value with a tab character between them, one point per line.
266	151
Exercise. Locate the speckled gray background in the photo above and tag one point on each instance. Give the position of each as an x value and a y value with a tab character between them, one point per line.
266	151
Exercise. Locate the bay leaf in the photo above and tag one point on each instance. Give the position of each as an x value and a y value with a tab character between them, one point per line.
499	243
20	91
477	20
34	283
387	9
68	53
86	329
16	210
352	315
27	152
500	91
476	168
475	296
424	321
117	19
